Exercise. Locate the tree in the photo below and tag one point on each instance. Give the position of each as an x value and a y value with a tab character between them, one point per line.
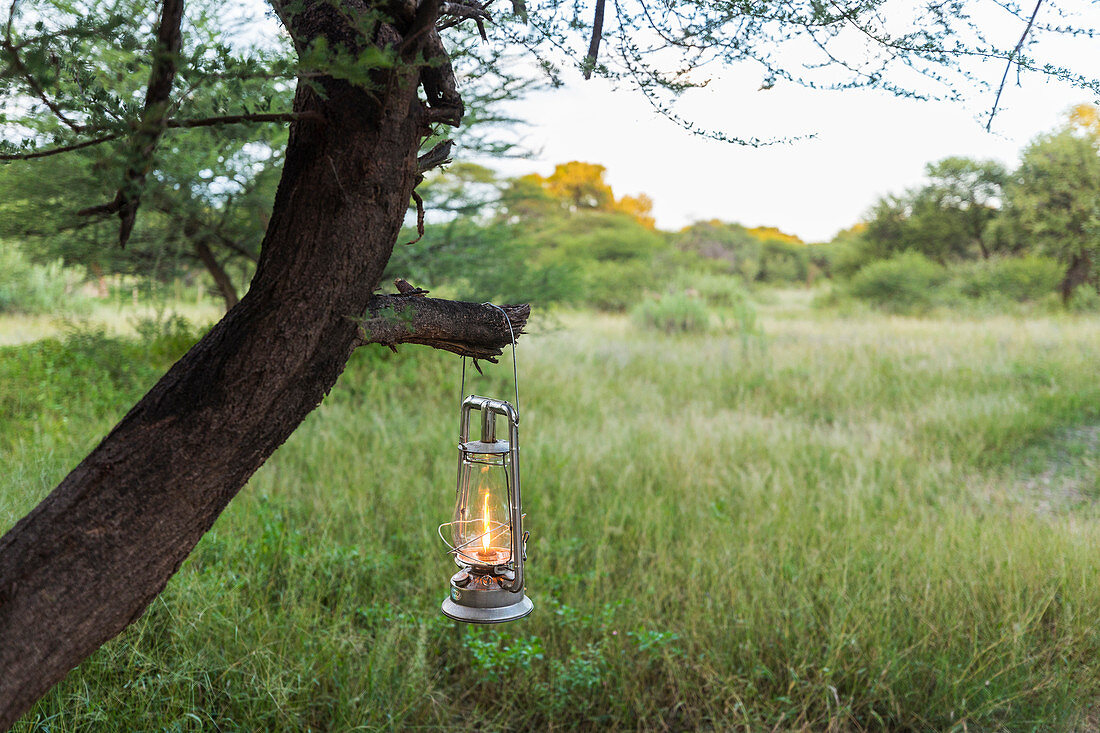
215	183
88	559
946	219
529	238
1054	199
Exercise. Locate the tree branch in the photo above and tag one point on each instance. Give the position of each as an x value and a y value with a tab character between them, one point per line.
460	10
1008	65
153	120
237	119
468	329
594	44
57	151
18	65
438	79
171	124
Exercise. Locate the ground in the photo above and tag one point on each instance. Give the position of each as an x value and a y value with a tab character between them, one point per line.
840	522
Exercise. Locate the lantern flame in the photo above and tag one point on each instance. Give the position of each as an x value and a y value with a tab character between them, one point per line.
485	526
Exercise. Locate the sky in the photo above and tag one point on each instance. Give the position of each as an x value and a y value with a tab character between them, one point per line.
865	144
855	146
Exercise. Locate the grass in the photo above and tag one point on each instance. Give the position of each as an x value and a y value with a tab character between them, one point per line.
831	529
114	318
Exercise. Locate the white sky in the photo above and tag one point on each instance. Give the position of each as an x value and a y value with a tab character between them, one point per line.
867	144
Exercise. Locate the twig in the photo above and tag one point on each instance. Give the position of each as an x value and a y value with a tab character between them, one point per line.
419	218
58	151
1008	65
18	65
174	124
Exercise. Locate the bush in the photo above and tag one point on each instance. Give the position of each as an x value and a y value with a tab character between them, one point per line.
1085	299
29	288
716	291
1017	278
168	336
675	313
905	283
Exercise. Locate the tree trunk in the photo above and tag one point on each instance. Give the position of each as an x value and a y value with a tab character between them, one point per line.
89	559
221	277
1078	272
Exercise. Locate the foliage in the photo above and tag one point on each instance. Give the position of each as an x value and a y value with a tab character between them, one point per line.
903	283
208	201
946	219
1054	198
880	555
564	238
910	283
26	287
50	386
672	313
1008	278
576	187
761	254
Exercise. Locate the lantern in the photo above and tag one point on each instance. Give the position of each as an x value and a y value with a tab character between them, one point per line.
486	532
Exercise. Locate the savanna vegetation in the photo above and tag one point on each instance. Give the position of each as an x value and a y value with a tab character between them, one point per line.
980	233
754	502
862	522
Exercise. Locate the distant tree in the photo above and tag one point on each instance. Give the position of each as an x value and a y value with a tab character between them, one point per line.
1054	198
579	186
946	219
763	254
563	237
731	244
1086	118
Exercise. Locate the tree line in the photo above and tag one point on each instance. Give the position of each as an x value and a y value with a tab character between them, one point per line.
970	210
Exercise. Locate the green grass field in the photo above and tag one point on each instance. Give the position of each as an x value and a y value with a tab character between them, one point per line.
860	523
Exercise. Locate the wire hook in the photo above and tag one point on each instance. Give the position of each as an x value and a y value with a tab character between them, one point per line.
515	371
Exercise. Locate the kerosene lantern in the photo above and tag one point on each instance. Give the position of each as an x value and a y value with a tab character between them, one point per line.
486	533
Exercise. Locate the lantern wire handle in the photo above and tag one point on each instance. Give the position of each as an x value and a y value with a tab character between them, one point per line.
515	371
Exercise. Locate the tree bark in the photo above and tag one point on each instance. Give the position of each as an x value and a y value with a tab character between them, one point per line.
1078	272
89	559
221	277
467	329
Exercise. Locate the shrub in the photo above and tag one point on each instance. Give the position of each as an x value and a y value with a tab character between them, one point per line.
1085	299
675	313
1016	278
167	336
725	296
907	282
29	288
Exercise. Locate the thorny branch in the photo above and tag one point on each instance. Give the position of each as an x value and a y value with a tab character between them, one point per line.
1008	64
17	64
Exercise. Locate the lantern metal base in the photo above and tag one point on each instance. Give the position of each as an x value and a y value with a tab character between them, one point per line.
481	599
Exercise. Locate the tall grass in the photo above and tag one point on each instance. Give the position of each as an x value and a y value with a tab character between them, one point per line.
827	533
